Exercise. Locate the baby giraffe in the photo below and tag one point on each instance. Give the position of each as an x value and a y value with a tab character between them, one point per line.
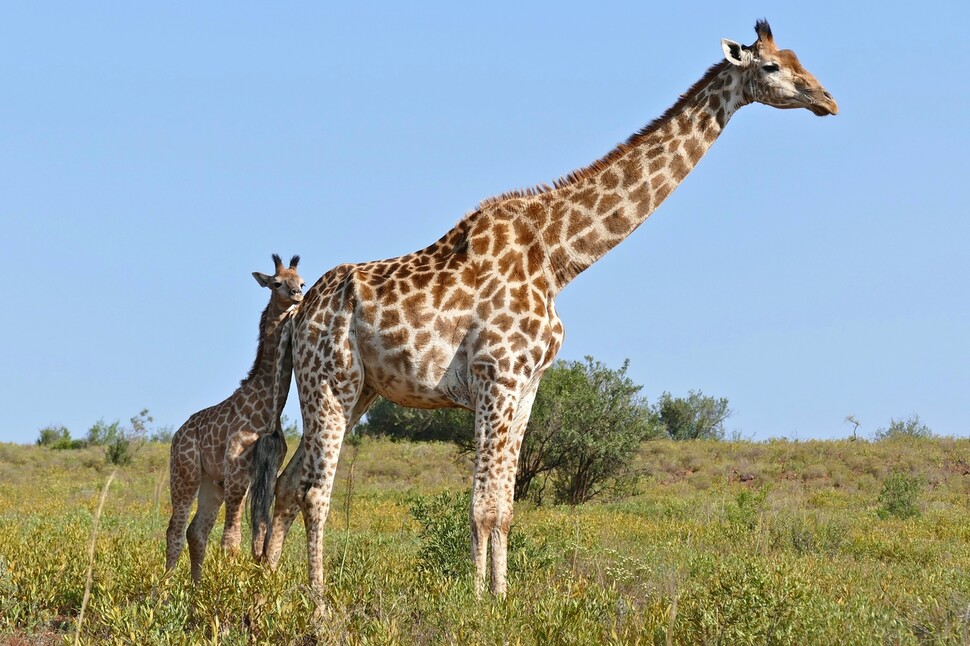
212	453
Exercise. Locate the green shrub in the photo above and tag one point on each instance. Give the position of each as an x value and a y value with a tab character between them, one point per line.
747	507
911	427
102	433
164	434
746	602
446	539
57	437
899	497
119	452
445	535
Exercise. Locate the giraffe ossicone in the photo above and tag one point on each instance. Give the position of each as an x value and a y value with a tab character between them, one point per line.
470	321
212	453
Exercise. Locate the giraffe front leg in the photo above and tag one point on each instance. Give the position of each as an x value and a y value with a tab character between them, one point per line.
489	512
491	518
500	425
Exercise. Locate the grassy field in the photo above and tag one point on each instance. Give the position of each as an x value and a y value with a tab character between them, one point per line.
725	543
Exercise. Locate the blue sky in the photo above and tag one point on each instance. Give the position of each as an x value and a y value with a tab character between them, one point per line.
151	158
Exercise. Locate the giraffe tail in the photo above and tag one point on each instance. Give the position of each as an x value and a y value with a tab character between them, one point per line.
267	457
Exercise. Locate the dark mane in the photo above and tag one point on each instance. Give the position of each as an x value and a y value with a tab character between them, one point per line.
610	157
260	349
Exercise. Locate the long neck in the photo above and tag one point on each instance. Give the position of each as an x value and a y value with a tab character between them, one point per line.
264	367
596	208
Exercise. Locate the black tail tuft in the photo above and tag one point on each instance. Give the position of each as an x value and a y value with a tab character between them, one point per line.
267	458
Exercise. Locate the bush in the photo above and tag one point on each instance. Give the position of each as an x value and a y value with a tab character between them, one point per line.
119	452
122	447
58	437
911	427
445	533
748	506
446	539
163	434
899	497
387	419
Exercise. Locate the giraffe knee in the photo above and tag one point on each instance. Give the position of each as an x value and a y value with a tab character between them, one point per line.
484	515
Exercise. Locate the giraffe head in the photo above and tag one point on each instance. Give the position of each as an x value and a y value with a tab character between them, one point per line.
285	283
775	77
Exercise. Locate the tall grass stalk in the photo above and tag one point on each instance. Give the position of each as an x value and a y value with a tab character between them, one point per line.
671	620
161	476
348	503
94	540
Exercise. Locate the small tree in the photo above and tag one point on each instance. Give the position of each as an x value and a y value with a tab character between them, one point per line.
696	417
102	433
604	422
911	427
851	419
291	430
541	452
123	447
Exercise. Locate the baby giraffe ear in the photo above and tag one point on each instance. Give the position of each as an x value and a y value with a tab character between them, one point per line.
735	53
262	279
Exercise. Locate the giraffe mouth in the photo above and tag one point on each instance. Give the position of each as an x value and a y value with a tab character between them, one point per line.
826	109
821	103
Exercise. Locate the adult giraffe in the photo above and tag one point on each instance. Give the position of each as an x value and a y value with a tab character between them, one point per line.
470	321
212	454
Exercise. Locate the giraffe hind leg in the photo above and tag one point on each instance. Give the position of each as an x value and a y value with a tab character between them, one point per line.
210	499
286	505
185	474
328	409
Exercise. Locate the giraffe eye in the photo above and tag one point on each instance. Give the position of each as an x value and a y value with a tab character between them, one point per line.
302	285
277	284
771	67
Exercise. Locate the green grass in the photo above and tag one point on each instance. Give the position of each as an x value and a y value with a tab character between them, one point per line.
724	543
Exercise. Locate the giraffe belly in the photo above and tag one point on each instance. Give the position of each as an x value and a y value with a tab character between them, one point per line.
432	374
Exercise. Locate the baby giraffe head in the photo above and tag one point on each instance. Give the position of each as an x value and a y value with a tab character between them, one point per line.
285	283
775	77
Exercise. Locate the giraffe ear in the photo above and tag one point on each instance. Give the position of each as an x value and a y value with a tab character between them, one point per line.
735	53
262	279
